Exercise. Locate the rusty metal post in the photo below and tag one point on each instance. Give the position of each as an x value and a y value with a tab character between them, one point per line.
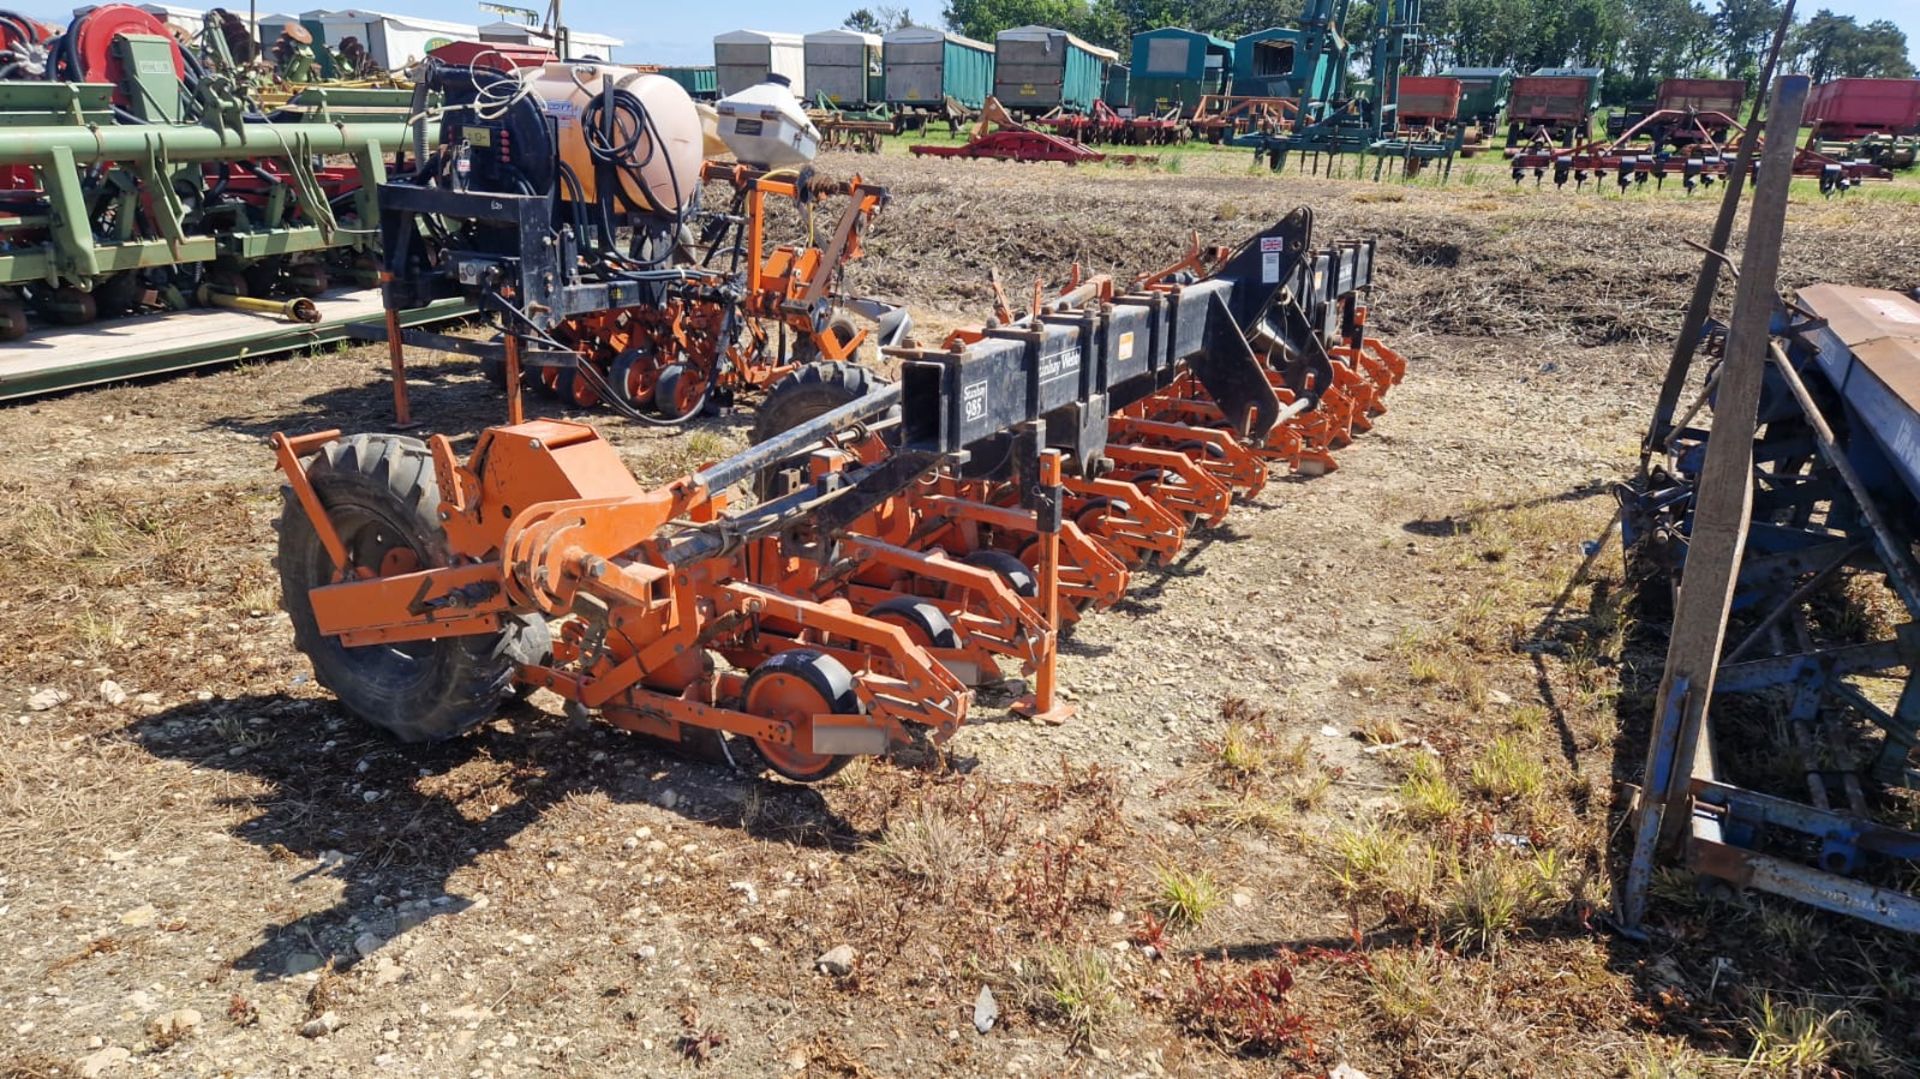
396	356
1040	704
515	412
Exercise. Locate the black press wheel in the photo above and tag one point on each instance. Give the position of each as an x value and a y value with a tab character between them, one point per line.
926	625
1010	568
379	491
1093	514
632	378
794	687
1155	478
577	391
680	392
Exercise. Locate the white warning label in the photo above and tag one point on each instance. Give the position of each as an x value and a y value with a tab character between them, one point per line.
1270	248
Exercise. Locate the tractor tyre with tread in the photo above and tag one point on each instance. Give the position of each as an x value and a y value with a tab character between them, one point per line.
382	497
811	391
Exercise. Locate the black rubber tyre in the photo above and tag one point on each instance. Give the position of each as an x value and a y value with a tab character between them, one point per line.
70	306
830	682
843	330
926	624
677	395
633	377
1010	569
1160	477
1092	516
117	295
575	391
380	493
1200	450
813	390
309	279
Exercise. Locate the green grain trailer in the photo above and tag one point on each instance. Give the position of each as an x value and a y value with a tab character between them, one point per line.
700	81
843	67
1037	68
1174	66
925	66
1483	93
1276	62
1116	87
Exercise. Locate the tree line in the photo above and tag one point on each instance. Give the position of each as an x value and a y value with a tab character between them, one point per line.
1638	42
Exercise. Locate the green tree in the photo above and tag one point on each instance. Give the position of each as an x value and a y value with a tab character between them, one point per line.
1662	39
1878	50
1745	28
983	19
1818	44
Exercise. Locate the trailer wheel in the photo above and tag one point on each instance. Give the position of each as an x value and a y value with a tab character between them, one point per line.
926	625
794	687
813	390
381	496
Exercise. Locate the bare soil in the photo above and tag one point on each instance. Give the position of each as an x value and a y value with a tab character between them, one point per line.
1226	864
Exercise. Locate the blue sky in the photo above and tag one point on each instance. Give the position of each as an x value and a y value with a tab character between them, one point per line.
682	33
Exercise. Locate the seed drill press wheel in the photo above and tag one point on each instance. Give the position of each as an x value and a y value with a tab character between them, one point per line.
795	686
379	491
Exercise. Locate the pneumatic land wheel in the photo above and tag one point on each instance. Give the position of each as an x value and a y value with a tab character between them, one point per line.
380	494
794	687
799	396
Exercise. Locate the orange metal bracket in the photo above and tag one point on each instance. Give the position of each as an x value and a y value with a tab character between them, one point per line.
1040	704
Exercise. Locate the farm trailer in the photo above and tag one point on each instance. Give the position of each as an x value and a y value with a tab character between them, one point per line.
1173	68
743	58
1554	105
925	68
1037	69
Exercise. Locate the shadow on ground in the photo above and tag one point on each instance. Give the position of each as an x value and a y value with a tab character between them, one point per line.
396	823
